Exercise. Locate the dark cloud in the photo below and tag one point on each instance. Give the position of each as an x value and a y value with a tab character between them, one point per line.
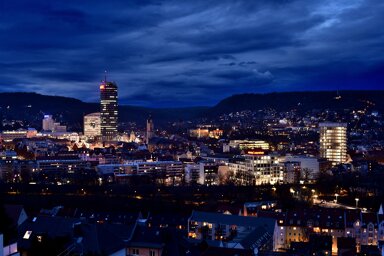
172	53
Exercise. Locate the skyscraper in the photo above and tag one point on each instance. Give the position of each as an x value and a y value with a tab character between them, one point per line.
108	110
333	142
150	129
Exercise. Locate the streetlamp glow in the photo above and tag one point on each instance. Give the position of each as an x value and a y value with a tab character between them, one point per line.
357	202
336	195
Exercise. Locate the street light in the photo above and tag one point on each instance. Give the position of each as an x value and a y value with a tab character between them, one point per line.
357	201
336	195
315	198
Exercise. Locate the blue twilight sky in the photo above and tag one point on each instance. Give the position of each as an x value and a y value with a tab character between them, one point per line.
188	53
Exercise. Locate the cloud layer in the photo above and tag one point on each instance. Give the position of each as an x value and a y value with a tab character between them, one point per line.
187	53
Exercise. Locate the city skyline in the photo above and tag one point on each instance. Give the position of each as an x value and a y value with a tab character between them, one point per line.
171	54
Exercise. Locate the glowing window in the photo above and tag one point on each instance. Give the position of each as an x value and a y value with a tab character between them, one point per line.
27	234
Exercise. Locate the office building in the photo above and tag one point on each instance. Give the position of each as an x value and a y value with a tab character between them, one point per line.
256	169
163	172
48	123
108	110
92	124
333	142
249	144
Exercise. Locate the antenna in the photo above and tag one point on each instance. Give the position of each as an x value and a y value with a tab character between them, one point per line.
105	76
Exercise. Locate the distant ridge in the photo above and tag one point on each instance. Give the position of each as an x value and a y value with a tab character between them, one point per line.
32	106
303	101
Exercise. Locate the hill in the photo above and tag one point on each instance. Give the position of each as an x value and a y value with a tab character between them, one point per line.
302	101
30	107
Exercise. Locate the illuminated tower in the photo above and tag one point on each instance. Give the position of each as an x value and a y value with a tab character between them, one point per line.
150	129
108	110
333	142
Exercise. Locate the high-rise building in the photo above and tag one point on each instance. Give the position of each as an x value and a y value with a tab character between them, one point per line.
48	123
333	142
108	110
150	129
92	125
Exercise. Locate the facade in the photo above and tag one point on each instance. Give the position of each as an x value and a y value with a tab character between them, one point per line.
256	170
108	110
18	134
249	144
297	226
48	123
203	173
164	172
232	230
333	142
192	174
92	125
11	135
57	164
309	167
71	136
292	172
150	130
206	131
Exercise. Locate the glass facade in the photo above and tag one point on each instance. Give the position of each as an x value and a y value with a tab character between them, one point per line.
108	110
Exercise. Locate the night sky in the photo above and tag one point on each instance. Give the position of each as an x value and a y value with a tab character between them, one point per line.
189	53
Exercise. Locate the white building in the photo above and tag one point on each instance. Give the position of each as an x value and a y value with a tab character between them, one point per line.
257	170
164	172
48	123
249	144
333	142
92	124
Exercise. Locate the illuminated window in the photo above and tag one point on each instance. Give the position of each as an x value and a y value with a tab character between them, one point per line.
27	234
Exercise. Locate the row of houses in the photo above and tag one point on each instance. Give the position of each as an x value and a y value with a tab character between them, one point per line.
329	231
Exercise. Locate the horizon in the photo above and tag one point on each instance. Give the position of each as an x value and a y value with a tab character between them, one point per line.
204	106
193	53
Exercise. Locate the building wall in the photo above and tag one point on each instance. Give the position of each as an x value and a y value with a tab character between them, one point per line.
333	142
367	234
143	251
108	110
257	170
92	125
